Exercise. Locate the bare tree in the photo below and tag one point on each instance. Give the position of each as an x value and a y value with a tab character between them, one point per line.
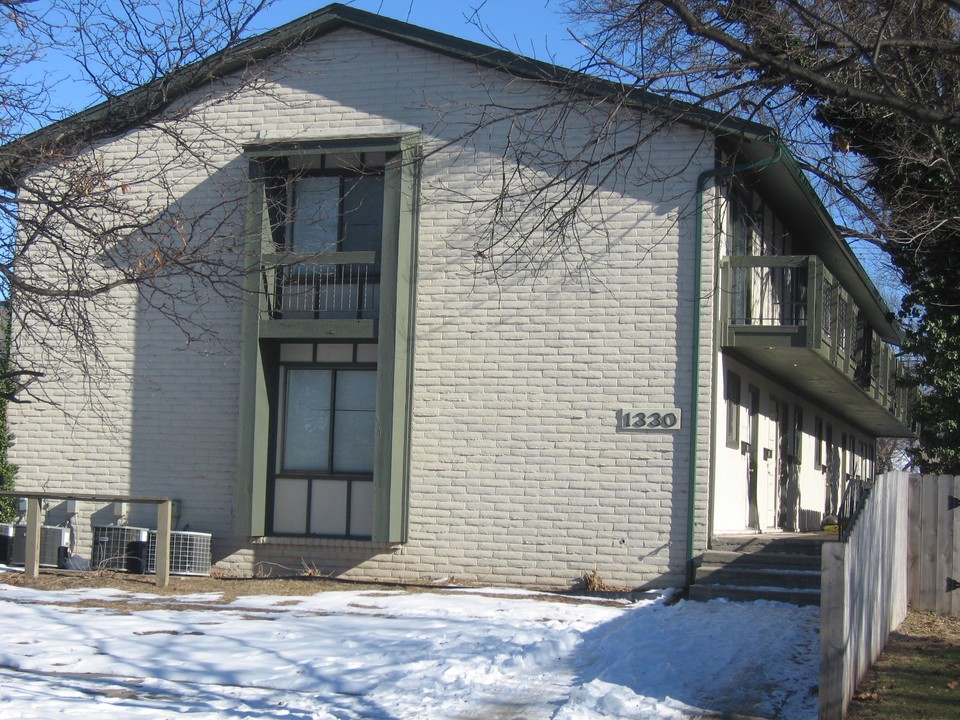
863	93
77	225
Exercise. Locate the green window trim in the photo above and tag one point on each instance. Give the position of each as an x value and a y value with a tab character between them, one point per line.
393	330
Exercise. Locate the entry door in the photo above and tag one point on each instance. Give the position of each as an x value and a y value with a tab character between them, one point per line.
753	459
776	456
783	464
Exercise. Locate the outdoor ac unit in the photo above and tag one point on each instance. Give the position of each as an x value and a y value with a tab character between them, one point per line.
6	543
54	542
119	547
189	553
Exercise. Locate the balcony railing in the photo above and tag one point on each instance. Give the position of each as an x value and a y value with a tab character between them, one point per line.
794	301
326	286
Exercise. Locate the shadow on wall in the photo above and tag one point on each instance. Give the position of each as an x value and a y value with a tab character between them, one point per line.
185	401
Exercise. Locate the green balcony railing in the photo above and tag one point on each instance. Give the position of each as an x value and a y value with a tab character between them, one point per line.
321	286
796	301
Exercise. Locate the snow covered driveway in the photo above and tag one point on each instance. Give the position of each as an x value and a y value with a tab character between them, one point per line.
392	655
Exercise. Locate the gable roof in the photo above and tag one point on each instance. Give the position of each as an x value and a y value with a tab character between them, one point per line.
120	113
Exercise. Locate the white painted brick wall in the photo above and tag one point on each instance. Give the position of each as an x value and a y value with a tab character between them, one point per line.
518	474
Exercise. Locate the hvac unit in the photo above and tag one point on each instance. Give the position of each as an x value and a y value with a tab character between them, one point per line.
119	547
6	543
54	542
189	553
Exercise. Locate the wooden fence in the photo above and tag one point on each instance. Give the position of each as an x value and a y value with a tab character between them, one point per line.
863	592
934	554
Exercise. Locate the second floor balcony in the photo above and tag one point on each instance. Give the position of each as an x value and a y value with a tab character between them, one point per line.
789	316
342	289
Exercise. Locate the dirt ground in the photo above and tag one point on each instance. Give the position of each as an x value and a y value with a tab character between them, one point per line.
232	587
917	676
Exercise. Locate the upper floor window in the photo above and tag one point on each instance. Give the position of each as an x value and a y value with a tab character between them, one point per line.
327	223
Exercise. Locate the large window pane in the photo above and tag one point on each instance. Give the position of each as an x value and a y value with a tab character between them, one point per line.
306	419
353	443
362	213
316	214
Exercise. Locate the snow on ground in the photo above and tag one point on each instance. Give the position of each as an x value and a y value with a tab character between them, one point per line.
392	655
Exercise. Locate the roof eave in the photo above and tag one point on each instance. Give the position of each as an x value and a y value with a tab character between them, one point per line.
116	115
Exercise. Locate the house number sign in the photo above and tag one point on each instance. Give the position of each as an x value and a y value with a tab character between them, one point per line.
638	420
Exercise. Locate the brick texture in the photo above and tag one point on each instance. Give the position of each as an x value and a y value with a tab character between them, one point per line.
518	471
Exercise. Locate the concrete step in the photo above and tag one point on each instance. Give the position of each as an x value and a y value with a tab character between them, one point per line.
779	560
792	544
758	576
750	594
783	567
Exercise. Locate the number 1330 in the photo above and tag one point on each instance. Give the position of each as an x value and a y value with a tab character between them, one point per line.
663	419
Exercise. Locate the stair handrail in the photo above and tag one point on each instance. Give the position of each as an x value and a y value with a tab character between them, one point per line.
856	492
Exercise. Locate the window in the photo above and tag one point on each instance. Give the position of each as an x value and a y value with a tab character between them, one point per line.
732	394
326	373
852	465
740	245
828	460
828	297
325	440
337	218
844	457
819	461
842	323
797	434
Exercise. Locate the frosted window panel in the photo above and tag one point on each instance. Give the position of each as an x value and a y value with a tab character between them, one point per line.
328	512
367	353
334	353
306	419
361	508
296	352
290	506
316	215
345	161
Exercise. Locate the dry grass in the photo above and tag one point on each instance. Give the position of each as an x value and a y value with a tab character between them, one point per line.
305	581
917	677
592	582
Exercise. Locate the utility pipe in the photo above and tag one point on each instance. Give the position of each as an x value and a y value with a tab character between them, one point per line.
697	290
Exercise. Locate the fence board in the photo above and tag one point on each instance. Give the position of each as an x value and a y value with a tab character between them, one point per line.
944	543
915	493
928	543
954	511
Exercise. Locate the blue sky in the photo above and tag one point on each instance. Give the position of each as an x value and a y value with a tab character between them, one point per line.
537	28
